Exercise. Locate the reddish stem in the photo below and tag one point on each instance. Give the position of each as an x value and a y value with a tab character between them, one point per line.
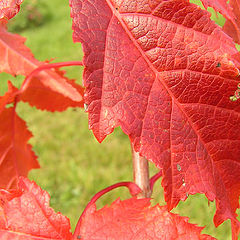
141	174
132	187
154	178
48	66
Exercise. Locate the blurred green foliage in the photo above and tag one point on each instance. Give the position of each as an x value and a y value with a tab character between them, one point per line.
33	14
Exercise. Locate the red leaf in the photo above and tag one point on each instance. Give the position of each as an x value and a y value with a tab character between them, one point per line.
9	8
17	59
16	155
232	27
28	216
162	71
136	219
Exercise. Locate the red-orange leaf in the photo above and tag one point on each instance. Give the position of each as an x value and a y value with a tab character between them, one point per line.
136	219
162	70
16	155
27	216
9	8
17	59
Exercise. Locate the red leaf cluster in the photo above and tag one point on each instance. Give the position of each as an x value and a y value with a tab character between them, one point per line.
25	215
163	71
48	90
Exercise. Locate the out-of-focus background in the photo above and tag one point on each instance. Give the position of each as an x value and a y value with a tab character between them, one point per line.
74	166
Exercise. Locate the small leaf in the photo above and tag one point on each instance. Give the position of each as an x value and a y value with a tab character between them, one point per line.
36	94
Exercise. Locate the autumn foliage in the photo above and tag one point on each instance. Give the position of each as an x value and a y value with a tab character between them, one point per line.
168	76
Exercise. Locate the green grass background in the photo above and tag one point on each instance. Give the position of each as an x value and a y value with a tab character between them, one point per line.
74	166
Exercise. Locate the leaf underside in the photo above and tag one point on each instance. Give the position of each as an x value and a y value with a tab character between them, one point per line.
162	70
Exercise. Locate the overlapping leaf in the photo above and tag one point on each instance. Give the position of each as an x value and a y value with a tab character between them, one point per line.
162	70
232	27
136	219
9	8
26	215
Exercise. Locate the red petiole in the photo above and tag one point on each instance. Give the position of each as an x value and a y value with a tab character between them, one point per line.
132	187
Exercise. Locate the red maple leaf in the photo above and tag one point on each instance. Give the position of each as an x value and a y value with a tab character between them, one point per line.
26	215
136	219
9	8
17	59
162	70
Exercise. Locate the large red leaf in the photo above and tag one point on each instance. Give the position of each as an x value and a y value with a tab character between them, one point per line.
17	59
26	215
16	155
232	28
136	219
162	71
9	8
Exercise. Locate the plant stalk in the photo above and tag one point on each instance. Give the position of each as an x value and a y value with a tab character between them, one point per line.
141	174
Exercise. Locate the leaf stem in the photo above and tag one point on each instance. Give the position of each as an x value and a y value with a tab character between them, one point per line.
154	178
132	187
45	67
141	174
